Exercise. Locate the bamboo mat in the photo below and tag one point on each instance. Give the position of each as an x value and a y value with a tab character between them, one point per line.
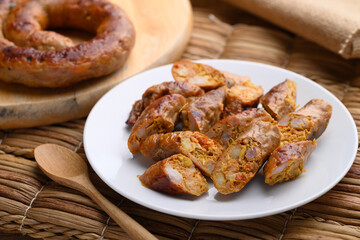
33	205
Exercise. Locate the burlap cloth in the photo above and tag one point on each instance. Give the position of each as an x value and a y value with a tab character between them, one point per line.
333	24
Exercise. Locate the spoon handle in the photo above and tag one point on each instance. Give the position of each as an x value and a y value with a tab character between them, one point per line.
129	225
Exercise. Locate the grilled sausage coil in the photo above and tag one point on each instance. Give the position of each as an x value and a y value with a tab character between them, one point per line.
34	57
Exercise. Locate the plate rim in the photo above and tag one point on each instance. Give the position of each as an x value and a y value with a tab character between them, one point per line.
228	217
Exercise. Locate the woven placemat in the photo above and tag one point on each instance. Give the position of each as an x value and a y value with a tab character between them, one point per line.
33	205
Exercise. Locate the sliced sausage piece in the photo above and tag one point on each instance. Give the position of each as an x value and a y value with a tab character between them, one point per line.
230	128
154	92
287	161
136	110
202	75
280	100
232	79
244	157
159	117
242	96
186	89
175	175
308	123
237	165
203	151
267	134
200	113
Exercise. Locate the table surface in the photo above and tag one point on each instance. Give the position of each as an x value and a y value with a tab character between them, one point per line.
220	31
14	236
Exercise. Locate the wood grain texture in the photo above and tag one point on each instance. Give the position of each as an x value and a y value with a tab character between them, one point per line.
161	36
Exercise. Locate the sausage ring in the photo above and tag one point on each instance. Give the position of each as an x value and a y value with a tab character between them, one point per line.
37	58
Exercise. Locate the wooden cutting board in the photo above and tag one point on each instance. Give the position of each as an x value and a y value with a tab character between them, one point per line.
163	29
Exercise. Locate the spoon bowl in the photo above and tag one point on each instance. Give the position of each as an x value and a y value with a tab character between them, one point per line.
56	159
67	168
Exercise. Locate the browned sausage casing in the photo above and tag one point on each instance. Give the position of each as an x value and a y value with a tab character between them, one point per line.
280	100
203	151
185	89
39	58
287	161
241	96
232	79
154	92
200	113
244	157
199	74
204	75
237	165
175	175
308	123
135	112
229	129
159	117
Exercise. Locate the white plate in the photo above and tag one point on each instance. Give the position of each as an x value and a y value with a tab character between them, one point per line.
106	135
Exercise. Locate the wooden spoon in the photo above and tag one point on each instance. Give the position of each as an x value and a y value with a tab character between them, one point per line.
68	168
